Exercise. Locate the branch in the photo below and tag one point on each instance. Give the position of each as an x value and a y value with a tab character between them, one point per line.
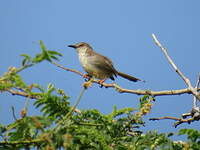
179	120
21	93
27	95
67	69
186	80
119	89
123	90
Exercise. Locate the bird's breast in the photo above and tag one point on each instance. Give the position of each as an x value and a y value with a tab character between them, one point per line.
83	59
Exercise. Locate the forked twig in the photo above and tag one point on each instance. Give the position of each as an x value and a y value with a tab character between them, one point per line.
186	80
195	112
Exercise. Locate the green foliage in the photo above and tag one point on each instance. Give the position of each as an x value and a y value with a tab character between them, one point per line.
192	134
11	79
84	129
27	128
46	54
193	137
53	105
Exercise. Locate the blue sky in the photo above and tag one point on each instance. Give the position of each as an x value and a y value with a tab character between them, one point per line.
120	30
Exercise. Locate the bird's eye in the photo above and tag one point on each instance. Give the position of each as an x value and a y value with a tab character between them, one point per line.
81	44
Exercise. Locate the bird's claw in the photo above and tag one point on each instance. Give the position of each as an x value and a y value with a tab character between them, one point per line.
86	77
100	82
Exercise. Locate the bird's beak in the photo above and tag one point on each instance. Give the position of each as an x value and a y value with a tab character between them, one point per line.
73	46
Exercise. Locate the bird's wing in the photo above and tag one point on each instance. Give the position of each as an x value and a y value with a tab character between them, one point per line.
104	63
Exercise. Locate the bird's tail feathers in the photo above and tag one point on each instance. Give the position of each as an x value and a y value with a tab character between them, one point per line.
128	77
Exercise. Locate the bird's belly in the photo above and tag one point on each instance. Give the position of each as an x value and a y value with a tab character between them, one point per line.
95	72
91	69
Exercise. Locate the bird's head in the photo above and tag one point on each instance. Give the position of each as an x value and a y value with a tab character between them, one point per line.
81	47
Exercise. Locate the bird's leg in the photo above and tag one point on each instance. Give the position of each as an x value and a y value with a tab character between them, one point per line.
87	77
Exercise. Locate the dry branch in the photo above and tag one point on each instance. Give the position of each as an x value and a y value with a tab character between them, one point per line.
178	120
119	89
131	91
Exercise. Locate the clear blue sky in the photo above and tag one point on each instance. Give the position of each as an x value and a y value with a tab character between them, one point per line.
118	29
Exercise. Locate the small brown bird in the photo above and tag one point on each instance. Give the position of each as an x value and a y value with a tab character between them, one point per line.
97	65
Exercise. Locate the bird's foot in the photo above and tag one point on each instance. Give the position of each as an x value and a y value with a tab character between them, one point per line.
100	82
87	77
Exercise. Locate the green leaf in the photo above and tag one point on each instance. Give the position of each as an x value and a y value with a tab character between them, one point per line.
54	57
119	112
26	59
38	58
48	54
26	56
42	46
55	53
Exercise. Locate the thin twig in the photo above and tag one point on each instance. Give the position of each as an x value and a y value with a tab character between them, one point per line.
167	117
68	69
68	115
20	93
13	113
76	103
24	67
186	80
179	120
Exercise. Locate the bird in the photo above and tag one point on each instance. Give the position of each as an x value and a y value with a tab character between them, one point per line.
97	65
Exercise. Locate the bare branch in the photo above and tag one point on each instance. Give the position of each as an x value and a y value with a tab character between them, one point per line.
137	92
68	69
20	93
194	113
186	80
118	88
179	120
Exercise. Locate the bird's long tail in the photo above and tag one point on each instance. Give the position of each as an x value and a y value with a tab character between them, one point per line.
128	77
